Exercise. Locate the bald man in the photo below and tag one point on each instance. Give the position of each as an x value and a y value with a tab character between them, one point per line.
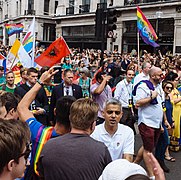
149	98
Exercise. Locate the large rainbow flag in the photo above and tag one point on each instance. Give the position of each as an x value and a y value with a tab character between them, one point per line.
14	28
145	29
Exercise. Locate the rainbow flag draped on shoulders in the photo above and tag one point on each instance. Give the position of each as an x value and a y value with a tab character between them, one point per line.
44	134
145	29
14	28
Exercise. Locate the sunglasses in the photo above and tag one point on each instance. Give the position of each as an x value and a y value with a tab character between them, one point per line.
167	87
27	152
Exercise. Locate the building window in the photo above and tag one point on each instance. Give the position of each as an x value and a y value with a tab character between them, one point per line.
103	1
20	7
70	9
85	7
16	8
49	32
56	5
30	4
46	7
71	3
84	2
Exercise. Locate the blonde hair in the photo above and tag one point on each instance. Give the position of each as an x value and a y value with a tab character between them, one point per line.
83	113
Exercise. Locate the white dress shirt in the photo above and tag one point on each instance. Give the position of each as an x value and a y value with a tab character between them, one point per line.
123	92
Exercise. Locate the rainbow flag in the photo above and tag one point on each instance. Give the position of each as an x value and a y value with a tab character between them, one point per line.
44	134
13	28
145	29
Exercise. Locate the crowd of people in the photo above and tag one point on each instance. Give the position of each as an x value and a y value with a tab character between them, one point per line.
79	117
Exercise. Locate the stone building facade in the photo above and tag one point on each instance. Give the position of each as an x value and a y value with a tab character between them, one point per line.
75	20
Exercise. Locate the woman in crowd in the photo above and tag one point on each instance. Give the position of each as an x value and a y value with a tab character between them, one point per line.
84	81
167	88
176	100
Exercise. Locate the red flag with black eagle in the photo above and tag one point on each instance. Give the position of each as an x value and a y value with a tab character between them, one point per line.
54	53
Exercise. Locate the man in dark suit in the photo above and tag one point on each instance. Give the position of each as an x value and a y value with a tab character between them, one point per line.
39	106
64	89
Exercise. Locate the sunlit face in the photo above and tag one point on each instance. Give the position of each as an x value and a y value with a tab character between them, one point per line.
130	75
68	78
20	167
168	88
112	115
147	68
158	76
32	78
10	78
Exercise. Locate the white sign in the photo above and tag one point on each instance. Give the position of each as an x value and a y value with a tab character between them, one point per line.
110	34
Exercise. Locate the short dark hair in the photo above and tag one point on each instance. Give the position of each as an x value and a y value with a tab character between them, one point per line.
14	136
32	69
66	71
171	76
11	101
63	110
99	75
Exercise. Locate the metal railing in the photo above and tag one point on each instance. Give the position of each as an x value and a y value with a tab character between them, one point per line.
84	8
132	2
70	10
30	12
101	5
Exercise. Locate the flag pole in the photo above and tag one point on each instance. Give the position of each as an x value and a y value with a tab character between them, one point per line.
138	36
13	61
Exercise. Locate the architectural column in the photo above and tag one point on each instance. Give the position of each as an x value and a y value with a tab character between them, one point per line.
177	37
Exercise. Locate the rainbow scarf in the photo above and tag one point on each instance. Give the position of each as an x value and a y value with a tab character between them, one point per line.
145	29
13	28
44	134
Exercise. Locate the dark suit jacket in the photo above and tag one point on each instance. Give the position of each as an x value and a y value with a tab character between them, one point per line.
41	99
57	92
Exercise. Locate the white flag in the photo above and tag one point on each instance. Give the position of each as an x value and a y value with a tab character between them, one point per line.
29	41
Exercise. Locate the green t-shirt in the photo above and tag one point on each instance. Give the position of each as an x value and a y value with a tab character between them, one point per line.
7	89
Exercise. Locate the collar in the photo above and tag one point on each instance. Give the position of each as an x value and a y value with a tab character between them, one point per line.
28	84
104	132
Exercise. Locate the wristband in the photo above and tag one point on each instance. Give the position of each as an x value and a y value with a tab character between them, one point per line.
151	95
40	83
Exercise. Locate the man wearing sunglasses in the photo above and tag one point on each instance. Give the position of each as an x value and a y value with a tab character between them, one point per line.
117	137
14	149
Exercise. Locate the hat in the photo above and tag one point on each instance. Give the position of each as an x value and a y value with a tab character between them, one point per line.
121	169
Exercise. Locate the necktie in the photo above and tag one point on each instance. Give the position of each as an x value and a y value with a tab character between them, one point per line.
67	91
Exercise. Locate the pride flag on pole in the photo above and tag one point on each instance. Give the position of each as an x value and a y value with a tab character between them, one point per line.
145	29
17	54
14	28
29	41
